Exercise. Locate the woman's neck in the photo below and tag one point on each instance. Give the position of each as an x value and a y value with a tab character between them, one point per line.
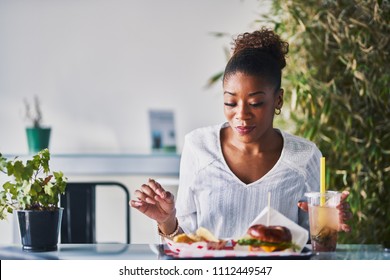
271	141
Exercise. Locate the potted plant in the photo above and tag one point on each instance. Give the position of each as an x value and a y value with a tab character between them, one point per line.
38	137
33	193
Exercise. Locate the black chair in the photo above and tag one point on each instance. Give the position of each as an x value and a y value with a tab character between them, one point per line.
79	216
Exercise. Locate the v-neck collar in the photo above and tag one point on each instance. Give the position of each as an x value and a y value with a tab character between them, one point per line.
226	124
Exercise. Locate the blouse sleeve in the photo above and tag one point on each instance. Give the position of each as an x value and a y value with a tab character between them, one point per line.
312	183
185	203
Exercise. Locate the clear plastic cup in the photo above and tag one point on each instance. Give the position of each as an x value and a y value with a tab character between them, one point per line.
324	220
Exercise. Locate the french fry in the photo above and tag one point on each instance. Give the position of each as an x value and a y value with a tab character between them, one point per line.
201	234
183	238
206	234
195	237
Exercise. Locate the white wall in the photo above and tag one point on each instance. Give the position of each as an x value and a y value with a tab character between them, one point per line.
98	66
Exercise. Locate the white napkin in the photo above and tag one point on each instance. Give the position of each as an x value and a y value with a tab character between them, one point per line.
300	235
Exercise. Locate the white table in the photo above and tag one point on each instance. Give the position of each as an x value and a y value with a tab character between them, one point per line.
105	251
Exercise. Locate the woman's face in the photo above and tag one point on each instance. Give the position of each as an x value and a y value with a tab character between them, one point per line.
249	106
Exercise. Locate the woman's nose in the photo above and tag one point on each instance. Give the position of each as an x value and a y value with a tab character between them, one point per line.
243	112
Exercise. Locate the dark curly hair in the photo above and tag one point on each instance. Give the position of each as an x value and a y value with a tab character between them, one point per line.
260	53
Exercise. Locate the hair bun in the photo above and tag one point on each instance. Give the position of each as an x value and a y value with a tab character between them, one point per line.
264	40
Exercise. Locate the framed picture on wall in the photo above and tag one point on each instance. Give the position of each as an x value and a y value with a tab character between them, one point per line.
162	130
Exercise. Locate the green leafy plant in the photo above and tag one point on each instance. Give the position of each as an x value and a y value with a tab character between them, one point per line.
33	115
338	74
33	186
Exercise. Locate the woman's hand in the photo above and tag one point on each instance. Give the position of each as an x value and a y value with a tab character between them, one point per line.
345	213
155	202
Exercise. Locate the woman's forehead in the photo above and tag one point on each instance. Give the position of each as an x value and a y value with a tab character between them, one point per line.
247	83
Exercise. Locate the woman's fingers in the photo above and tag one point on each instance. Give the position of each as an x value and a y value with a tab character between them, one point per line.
157	188
169	198
140	205
153	200
343	206
143	195
303	205
135	203
345	227
345	213
344	196
148	192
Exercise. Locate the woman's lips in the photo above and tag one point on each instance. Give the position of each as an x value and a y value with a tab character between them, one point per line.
243	130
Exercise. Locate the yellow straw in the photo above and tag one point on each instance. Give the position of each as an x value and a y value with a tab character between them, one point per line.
322	182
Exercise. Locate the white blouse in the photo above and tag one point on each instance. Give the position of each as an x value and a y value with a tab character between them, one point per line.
212	196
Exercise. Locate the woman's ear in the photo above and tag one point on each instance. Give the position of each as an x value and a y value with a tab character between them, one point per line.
279	99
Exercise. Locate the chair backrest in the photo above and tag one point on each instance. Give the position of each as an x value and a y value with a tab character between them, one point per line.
79	216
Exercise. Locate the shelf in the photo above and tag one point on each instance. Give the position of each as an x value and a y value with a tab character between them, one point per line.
162	164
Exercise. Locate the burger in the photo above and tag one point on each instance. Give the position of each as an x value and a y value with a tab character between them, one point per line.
268	238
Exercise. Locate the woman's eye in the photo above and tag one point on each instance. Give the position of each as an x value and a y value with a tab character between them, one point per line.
230	104
257	104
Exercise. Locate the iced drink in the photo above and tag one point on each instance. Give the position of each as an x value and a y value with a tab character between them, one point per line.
324	220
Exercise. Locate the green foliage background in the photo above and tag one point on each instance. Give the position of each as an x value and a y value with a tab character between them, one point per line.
338	80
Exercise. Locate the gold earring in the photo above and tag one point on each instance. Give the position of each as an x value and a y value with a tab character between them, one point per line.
278	111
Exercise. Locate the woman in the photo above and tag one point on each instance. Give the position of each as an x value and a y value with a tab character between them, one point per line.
227	170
